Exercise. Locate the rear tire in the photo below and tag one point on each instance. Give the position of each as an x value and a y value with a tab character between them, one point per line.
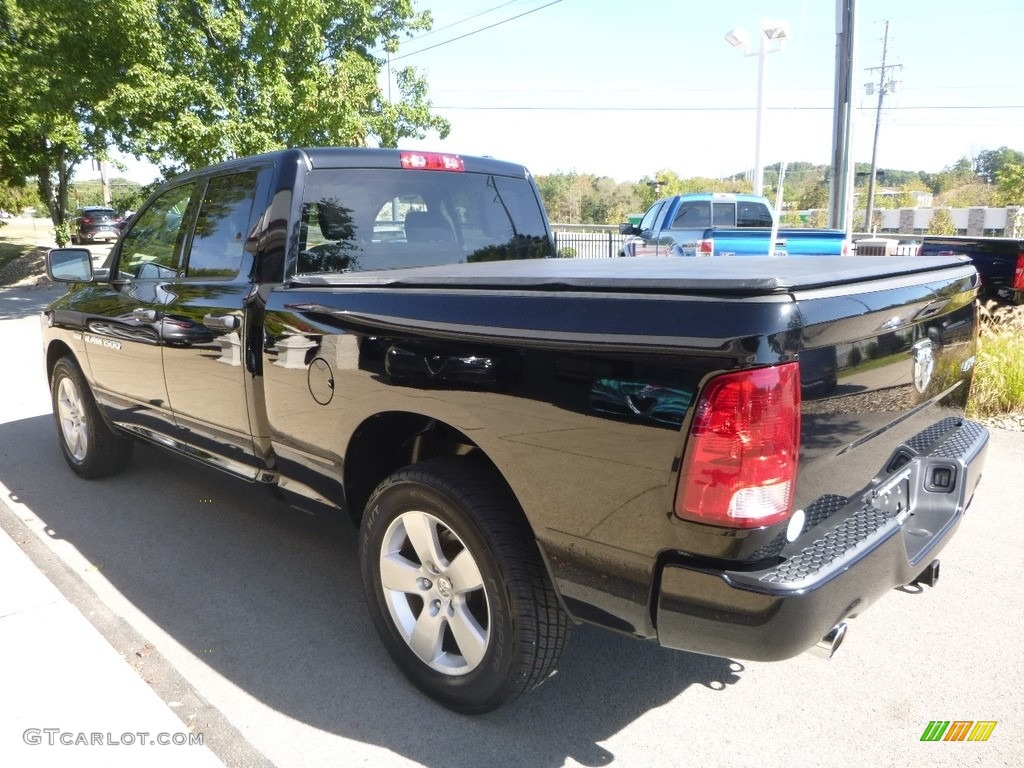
91	448
456	586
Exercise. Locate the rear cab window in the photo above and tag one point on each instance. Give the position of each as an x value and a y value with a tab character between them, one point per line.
752	214
366	219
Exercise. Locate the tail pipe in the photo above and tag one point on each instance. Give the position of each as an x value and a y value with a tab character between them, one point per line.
829	644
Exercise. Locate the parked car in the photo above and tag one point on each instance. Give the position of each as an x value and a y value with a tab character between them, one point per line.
94	222
726	456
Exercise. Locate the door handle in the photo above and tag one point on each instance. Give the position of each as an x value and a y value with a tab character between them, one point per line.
145	315
221	322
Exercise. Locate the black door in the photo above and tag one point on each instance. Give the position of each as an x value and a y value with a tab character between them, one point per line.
122	317
203	325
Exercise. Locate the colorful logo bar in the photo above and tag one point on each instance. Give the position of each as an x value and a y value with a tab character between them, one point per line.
959	730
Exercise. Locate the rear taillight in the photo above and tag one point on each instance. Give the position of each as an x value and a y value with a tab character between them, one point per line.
1018	273
706	248
739	466
86	220
431	161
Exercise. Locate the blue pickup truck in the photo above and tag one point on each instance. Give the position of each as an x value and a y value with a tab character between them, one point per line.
722	224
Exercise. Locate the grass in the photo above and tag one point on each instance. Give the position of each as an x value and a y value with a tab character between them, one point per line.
998	386
22	241
11	251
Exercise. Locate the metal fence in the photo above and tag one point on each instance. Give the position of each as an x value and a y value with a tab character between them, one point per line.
596	241
587	241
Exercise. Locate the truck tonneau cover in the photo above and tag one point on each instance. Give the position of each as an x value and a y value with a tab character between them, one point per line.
749	276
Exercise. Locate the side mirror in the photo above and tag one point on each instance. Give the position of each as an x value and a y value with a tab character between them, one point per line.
628	229
69	265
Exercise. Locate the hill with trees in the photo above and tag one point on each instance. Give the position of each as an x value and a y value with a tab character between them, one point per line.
991	178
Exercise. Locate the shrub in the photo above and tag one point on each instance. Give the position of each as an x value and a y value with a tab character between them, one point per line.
998	386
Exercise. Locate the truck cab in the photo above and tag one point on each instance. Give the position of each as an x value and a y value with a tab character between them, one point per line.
722	224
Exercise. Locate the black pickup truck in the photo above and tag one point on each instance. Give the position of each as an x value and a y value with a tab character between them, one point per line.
727	456
999	261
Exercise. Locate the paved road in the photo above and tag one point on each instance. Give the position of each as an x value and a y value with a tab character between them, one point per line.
258	608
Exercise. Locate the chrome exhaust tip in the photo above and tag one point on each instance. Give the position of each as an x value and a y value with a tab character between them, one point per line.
929	576
829	644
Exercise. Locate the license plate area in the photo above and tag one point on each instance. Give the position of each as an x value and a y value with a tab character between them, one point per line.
893	496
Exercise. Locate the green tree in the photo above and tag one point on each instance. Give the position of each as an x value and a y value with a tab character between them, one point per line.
815	196
969	196
1010	183
16	197
238	77
818	219
59	64
941	223
956	175
990	162
560	193
667	182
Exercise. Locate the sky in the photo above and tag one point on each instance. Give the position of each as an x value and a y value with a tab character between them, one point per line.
624	89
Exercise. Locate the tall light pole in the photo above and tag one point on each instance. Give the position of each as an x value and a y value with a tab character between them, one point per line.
770	40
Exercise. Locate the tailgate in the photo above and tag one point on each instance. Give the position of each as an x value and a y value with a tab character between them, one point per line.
878	368
887	468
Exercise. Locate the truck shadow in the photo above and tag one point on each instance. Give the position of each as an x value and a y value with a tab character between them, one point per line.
272	600
25	301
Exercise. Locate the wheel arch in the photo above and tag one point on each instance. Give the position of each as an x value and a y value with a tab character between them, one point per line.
390	440
54	352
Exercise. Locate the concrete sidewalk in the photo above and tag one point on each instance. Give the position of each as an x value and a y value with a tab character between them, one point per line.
67	697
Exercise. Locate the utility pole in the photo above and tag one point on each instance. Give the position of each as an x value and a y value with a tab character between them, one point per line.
885	85
841	178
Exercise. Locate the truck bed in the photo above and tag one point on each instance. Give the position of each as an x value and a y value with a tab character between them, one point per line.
764	276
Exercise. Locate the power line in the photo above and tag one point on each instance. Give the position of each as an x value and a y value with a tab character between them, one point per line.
460	21
990	87
477	31
526	108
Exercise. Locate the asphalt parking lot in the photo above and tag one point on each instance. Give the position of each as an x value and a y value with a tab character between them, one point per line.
255	610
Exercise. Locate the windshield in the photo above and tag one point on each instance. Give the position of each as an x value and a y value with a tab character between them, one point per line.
360	219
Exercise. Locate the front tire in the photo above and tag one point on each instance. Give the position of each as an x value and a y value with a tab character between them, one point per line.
91	448
456	586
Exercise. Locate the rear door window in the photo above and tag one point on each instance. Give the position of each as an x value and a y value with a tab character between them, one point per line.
222	226
693	214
